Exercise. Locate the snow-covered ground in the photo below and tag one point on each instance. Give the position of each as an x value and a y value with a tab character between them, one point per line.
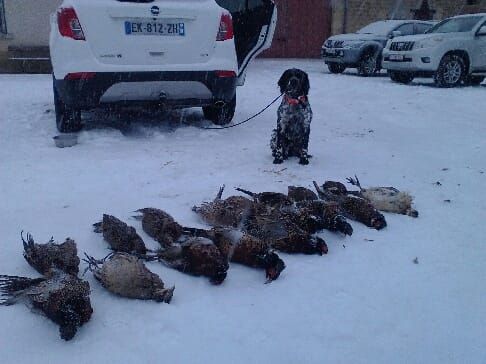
365	302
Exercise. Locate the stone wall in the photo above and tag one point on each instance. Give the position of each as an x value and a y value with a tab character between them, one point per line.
363	12
28	21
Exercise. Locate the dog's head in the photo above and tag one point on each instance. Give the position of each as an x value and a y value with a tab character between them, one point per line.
294	83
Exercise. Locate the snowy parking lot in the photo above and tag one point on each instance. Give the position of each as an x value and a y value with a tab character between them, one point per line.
367	301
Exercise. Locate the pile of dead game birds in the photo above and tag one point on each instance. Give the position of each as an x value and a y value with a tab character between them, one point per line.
243	230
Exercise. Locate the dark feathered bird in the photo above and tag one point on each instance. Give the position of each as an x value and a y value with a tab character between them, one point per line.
299	194
283	234
270	199
44	257
160	225
120	236
353	207
313	216
127	276
62	297
244	249
196	256
224	213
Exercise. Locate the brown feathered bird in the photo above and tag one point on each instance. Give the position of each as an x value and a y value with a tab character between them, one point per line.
282	233
62	297
244	249
197	256
299	194
159	225
313	216
353	207
127	276
224	213
120	236
270	199
44	257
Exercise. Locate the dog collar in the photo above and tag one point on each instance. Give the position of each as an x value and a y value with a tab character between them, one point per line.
300	100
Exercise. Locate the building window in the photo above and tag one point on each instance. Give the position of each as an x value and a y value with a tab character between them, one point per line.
3	24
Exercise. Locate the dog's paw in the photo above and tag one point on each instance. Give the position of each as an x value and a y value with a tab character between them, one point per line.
304	161
278	160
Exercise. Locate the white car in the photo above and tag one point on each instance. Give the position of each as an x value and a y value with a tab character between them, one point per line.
453	52
179	53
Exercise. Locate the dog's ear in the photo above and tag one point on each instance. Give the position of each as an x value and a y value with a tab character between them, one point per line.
305	84
284	80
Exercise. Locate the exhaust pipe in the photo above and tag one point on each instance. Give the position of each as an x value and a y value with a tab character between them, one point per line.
220	103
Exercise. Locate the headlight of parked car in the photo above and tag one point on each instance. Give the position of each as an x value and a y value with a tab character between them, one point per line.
429	43
353	44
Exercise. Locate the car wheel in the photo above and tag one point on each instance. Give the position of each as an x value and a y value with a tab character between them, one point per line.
401	77
368	65
67	120
221	115
336	68
474	80
451	71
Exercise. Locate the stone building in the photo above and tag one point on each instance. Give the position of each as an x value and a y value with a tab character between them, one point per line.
303	25
351	15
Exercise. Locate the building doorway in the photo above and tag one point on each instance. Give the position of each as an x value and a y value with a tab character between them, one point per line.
302	28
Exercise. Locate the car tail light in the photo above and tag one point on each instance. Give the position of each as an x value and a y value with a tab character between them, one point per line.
225	74
225	31
80	76
69	25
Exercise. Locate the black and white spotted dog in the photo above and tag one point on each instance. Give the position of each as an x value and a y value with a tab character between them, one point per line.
291	138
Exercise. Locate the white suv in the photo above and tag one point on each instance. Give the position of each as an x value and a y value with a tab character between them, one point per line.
453	52
180	53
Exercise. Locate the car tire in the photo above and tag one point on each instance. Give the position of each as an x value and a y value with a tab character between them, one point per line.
474	80
368	64
221	115
451	71
401	77
68	120
336	68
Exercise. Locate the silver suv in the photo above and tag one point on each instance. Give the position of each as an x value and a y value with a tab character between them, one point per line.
453	52
363	49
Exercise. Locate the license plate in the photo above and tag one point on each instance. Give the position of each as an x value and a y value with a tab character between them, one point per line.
396	57
155	28
331	51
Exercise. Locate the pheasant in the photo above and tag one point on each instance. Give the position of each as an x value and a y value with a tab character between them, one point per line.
314	216
197	256
387	199
353	207
283	234
43	257
244	249
160	225
120	236
271	199
62	297
224	213
299	194
127	276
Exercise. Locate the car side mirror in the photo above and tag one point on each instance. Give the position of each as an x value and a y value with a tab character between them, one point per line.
395	33
482	31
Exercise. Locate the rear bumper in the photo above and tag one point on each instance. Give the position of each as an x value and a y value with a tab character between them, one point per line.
172	88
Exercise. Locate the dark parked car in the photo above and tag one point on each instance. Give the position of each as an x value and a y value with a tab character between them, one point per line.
363	49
